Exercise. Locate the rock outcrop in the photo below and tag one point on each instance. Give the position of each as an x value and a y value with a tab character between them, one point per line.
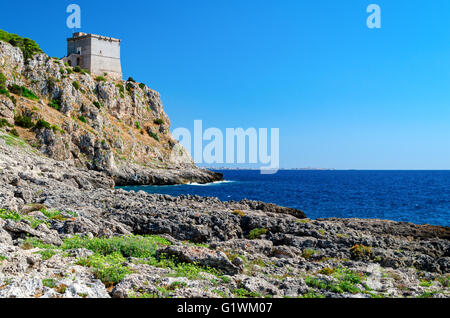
115	127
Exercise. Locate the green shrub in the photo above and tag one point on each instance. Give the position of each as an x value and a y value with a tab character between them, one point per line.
138	125
42	124
56	129
108	269
360	251
2	79
159	121
153	135
16	217
346	281
23	121
307	253
28	94
243	293
257	233
69	70
98	105
4	122
13	99
82	119
15	89
3	90
128	246
23	91
142	85
130	79
129	87
76	85
49	283
55	103
100	79
77	69
14	133
10	215
57	215
28	47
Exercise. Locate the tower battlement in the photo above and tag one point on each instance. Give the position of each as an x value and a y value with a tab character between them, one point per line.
98	54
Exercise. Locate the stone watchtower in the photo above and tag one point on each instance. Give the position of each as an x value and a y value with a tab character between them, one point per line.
95	53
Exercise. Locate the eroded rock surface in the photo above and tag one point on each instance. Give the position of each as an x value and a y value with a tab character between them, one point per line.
203	247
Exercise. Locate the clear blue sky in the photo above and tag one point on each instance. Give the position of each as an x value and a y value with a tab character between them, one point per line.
343	96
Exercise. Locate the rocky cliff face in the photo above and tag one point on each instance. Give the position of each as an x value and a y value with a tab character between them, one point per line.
116	127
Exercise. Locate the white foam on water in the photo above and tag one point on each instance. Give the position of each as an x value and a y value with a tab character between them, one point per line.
208	184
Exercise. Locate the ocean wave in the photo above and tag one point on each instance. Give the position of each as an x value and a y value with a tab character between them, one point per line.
209	184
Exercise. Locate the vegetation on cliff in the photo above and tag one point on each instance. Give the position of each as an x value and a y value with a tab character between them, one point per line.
28	47
118	127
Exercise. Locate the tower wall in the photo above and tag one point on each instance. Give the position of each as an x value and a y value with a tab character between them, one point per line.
105	57
98	54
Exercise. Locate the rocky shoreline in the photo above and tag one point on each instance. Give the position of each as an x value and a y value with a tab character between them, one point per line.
66	232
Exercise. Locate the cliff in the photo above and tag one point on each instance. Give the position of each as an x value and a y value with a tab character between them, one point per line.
116	127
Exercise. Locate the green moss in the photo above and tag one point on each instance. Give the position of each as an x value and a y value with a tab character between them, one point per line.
23	121
76	85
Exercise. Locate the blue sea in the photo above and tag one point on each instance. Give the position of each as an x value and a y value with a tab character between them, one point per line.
421	197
